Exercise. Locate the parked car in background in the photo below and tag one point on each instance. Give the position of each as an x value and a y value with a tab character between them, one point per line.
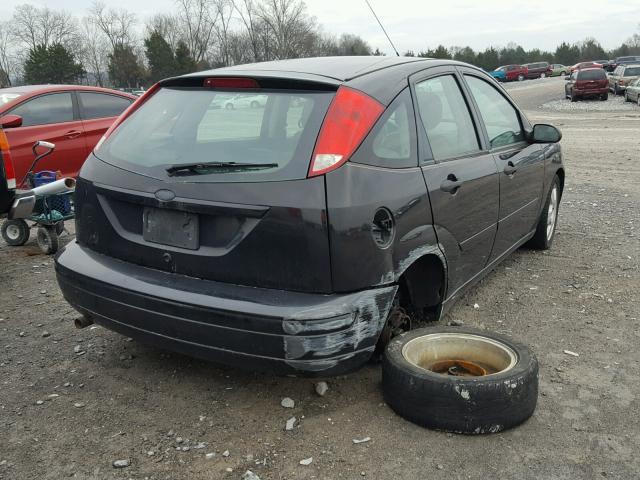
582	65
624	61
588	82
509	73
286	241
246	101
632	92
557	69
605	64
622	76
7	175
70	116
538	70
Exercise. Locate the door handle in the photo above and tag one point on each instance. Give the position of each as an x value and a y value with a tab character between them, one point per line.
510	169
73	134
451	184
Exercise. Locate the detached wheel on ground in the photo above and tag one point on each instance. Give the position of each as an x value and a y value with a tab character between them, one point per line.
48	240
546	229
460	380
15	232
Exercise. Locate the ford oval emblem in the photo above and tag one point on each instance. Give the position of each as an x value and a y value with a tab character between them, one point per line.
165	195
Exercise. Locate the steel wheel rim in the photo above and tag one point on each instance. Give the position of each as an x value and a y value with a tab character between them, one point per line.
432	351
552	212
13	232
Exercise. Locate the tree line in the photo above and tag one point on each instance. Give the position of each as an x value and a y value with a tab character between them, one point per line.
565	53
112	47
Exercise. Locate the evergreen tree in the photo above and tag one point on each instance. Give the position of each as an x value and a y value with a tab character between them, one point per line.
162	62
53	64
124	68
184	61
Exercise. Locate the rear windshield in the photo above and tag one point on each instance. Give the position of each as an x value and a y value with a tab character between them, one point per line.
632	71
592	75
6	97
184	126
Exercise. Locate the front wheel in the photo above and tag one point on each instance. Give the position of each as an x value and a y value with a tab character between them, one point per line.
48	240
626	96
563	73
520	78
15	232
546	229
573	96
543	75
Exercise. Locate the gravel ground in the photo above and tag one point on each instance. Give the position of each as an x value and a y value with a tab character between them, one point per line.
72	402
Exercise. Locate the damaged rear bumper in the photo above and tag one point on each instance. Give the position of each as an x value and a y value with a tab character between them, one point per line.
254	328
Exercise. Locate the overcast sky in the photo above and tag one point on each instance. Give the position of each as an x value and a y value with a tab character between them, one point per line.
420	24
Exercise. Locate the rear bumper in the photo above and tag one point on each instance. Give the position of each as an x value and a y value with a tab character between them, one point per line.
591	91
259	329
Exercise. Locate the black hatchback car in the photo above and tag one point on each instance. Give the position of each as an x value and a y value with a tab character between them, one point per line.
295	232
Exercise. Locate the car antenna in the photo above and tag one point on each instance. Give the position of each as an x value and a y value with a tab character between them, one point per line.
380	23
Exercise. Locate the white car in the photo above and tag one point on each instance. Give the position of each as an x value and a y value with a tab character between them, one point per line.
246	101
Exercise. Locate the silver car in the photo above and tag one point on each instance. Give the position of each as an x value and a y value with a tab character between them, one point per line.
632	92
623	76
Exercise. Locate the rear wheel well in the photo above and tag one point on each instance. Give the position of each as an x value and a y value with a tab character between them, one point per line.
422	287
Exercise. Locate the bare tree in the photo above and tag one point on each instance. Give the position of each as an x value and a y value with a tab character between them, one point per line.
8	64
198	19
248	12
166	25
224	13
43	27
117	25
93	51
289	27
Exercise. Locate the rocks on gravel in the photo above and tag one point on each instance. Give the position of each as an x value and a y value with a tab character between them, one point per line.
361	440
249	475
287	403
570	353
225	453
290	423
306	461
121	463
322	388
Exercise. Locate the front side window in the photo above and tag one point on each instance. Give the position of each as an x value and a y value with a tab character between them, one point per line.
500	117
46	109
100	105
446	118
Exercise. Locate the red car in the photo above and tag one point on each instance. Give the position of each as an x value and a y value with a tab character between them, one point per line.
587	82
73	117
582	65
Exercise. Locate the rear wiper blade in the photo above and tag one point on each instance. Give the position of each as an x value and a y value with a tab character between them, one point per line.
196	168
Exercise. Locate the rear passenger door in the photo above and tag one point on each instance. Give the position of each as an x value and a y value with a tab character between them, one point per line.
98	111
460	175
520	163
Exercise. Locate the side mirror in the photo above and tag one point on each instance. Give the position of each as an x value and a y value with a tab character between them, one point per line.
543	133
10	121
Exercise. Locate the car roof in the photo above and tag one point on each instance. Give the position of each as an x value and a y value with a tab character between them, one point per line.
338	68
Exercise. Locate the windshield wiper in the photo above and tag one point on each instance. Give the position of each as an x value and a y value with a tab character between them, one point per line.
202	167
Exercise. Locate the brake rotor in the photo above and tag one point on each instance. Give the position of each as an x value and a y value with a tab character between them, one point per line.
458	368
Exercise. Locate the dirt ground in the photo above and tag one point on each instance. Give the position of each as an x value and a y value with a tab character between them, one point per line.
74	401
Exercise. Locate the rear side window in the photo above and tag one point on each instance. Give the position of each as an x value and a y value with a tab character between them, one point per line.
632	71
592	75
392	142
180	126
500	118
101	105
46	109
446	118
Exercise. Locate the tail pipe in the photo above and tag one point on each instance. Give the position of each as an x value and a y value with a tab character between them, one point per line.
82	322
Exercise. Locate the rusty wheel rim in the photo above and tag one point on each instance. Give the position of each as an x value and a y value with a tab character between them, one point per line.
459	354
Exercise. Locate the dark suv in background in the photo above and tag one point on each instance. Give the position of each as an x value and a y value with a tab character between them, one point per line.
538	69
291	236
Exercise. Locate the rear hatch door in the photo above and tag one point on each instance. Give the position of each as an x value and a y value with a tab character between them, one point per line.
209	179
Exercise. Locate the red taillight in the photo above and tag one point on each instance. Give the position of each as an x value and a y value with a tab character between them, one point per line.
132	108
230	82
351	116
7	162
621	81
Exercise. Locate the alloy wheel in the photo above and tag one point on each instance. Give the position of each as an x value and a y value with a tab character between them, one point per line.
552	212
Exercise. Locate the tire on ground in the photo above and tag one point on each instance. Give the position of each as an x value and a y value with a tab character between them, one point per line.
15	232
47	238
470	405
